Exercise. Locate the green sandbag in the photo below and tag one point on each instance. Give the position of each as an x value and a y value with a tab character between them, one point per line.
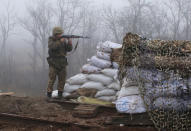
88	100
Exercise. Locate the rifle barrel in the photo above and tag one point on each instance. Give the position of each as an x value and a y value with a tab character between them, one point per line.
74	36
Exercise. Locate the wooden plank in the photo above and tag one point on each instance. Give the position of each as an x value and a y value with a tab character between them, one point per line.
7	94
85	111
141	119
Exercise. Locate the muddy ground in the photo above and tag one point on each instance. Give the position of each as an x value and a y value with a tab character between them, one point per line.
40	108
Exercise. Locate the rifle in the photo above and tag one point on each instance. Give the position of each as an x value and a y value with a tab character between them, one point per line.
74	36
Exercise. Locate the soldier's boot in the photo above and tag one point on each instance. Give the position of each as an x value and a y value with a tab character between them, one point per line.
49	94
60	94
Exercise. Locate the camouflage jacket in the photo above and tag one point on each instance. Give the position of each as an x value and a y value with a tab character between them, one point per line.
57	52
57	48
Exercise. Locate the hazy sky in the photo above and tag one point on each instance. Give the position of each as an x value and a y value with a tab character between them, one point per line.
20	4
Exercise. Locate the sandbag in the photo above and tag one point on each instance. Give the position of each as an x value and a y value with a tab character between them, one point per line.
100	63
82	92
107	98
93	85
105	92
128	82
133	90
117	94
86	92
78	79
70	88
115	65
159	54
105	80
115	86
65	94
115	55
90	69
164	91
130	104
146	75
87	100
189	82
103	55
110	72
108	46
167	103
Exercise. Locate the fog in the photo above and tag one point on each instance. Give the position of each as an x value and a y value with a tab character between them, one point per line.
25	26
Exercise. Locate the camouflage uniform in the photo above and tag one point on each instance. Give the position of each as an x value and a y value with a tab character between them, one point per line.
57	60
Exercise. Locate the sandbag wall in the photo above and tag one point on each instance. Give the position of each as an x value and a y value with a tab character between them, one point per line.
98	78
162	71
128	98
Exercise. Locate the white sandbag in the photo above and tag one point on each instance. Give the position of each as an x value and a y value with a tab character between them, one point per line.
108	46
93	85
105	92
100	63
189	82
105	80
65	94
115	65
133	90
128	83
98	46
55	94
103	55
116	78
70	88
130	104
78	79
110	72
117	94
90	69
115	86
107	98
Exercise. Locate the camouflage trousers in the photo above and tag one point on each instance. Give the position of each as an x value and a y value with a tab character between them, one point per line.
53	73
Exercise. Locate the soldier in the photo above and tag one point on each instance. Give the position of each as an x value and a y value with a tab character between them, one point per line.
58	48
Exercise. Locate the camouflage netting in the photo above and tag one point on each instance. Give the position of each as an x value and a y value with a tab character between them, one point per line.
163	71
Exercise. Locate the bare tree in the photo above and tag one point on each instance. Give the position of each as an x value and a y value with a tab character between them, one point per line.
159	24
41	18
38	23
75	17
137	17
175	18
7	25
31	27
89	27
186	10
111	22
69	14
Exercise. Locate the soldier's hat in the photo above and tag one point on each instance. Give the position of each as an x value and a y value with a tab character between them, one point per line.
57	30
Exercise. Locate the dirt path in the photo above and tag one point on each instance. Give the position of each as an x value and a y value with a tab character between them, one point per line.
39	108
